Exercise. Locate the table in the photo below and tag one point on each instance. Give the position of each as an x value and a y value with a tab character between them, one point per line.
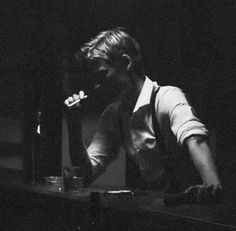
46	207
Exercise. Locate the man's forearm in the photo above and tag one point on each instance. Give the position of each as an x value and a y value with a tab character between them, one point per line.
202	157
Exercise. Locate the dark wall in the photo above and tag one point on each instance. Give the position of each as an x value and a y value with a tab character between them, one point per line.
17	54
29	83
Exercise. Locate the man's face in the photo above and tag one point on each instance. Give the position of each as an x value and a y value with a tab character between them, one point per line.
115	75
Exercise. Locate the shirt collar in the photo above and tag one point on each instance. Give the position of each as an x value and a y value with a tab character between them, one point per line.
145	94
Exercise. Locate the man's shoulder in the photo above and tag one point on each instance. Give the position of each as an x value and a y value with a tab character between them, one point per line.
169	88
169	91
170	96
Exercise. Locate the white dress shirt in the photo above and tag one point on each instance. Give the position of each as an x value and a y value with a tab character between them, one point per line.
116	129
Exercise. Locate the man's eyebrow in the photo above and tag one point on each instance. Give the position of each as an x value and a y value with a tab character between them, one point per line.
100	71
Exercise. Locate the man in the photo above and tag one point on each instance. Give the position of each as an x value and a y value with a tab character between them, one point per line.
128	121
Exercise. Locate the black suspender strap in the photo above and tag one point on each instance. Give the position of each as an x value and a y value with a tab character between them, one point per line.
156	127
159	137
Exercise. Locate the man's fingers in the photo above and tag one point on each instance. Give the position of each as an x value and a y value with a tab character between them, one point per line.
76	97
201	193
68	100
205	193
217	193
192	190
217	188
74	100
81	94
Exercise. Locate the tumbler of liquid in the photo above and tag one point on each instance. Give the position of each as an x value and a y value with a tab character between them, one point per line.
78	176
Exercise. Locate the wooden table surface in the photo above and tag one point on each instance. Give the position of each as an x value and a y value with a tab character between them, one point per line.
144	208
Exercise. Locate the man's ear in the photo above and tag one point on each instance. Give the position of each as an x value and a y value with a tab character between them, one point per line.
128	61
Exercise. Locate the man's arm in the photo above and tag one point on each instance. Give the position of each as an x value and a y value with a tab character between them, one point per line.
105	145
79	154
188	129
202	157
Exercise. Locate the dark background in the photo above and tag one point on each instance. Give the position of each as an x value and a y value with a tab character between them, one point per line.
186	43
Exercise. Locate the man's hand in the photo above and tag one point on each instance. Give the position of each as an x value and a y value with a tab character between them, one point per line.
75	100
202	194
210	191
205	194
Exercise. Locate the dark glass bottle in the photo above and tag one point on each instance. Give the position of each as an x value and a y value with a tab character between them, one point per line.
36	148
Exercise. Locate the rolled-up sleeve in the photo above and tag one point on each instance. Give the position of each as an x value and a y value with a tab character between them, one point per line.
105	145
182	117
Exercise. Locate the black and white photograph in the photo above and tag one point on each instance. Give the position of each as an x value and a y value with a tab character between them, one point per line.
117	115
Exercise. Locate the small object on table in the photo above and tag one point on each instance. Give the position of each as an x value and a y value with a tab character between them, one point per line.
55	181
120	192
74	178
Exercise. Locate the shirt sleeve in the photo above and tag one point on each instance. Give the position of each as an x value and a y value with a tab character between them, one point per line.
105	145
182	117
